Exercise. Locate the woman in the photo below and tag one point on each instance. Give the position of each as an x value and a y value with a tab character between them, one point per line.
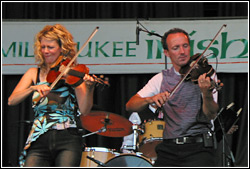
53	139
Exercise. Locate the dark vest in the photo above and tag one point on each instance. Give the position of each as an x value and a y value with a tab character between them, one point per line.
184	116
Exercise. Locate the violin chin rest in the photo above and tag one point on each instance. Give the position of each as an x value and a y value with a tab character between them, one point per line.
76	73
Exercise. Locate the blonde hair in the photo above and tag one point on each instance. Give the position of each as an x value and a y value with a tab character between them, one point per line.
61	35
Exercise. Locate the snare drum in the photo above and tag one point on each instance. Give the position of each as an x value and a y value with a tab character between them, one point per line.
98	153
128	160
152	136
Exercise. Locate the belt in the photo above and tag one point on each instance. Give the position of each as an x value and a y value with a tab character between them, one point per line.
185	140
62	126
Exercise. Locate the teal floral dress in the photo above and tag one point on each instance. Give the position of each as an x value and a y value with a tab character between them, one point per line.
56	110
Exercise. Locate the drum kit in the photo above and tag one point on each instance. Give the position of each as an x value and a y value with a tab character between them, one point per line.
145	138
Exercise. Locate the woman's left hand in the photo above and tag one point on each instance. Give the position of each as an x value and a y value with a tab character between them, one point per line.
89	81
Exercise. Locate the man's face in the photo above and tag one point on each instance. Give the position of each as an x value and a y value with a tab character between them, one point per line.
178	49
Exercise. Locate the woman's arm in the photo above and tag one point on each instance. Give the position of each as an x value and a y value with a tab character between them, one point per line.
24	87
85	94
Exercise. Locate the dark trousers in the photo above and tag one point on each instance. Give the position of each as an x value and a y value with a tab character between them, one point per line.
61	148
184	155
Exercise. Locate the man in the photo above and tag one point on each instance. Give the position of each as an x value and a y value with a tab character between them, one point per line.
187	140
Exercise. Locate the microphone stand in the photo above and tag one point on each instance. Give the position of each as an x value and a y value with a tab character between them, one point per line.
225	143
150	33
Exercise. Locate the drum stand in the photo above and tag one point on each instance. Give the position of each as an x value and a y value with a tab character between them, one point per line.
133	147
135	128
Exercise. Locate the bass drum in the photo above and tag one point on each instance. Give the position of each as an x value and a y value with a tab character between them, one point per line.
128	160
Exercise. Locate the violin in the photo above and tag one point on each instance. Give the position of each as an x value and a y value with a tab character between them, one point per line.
73	77
200	68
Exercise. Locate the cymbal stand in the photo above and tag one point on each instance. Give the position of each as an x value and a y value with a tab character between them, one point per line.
103	129
135	128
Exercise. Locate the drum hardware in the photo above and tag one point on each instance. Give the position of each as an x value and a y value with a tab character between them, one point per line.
129	147
134	146
141	130
103	129
129	160
96	161
135	128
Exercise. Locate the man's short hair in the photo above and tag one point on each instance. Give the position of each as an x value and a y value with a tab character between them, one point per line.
172	31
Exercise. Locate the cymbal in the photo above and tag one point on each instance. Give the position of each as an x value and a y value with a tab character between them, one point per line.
116	125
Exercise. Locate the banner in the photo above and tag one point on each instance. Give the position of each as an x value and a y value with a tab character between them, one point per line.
113	49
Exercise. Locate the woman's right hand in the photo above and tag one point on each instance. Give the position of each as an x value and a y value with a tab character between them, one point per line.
43	89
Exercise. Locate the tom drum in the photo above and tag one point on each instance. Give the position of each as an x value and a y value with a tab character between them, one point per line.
152	136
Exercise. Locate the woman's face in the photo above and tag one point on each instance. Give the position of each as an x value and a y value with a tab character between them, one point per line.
50	50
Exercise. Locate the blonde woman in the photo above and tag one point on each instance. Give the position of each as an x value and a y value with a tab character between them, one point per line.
54	139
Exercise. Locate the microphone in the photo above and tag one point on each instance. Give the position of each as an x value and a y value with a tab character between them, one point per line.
137	33
96	161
